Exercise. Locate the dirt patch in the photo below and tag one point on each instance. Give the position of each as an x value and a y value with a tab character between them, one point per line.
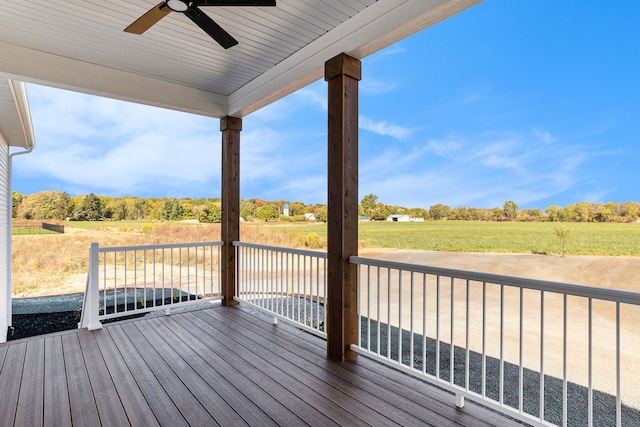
602	271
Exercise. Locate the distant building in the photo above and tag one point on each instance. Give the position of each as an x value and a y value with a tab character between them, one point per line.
285	210
363	218
398	218
403	218
309	217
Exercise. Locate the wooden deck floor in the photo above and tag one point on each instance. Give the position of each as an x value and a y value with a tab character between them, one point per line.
215	366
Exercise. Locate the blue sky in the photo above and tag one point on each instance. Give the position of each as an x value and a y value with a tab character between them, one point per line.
534	101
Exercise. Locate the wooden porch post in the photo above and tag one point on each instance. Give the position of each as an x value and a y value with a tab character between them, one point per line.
230	128
342	74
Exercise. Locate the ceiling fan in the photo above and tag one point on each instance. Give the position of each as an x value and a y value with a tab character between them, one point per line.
192	11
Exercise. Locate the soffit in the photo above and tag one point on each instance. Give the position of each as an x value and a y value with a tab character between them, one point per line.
15	119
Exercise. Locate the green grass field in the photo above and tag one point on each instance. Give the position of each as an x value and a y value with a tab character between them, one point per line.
454	236
504	237
26	231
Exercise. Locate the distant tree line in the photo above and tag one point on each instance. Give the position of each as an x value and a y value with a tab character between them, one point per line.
577	212
47	205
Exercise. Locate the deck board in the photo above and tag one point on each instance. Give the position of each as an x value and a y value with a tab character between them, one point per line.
157	399
214	366
57	411
81	396
133	401
259	374
373	395
352	397
264	401
280	369
31	386
10	379
108	403
206	395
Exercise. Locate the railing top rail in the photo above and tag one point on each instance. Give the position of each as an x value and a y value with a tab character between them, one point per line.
158	246
615	295
319	254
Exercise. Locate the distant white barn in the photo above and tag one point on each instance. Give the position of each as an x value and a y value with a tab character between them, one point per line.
398	218
403	218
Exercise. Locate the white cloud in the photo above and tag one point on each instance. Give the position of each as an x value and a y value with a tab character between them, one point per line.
544	136
444	148
101	145
473	170
384	128
372	86
283	164
311	94
394	49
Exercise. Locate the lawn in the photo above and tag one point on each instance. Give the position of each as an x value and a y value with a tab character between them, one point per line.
501	237
23	231
99	225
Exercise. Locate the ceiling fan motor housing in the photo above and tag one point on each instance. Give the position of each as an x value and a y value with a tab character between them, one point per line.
178	5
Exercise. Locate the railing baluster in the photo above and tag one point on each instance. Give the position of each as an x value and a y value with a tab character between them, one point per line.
164	297
501	382
378	313
399	316
466	357
359	298
318	292
521	354
564	361
618	398
368	306
590	364
389	313
542	356
304	288
438	327
411	327
452	334
280	308
324	281
484	339
287	294
424	323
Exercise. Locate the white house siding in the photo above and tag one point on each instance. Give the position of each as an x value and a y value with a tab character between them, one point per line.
5	248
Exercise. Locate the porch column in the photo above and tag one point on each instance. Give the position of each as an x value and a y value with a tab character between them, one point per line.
342	74
230	128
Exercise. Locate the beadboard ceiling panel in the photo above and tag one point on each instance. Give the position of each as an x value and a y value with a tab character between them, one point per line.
80	45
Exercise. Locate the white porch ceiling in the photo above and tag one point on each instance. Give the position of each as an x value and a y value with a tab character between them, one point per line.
80	45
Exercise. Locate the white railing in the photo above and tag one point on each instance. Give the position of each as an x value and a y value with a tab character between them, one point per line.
128	280
543	352
289	284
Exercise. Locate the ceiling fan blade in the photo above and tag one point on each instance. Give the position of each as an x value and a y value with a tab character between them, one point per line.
265	3
210	27
147	20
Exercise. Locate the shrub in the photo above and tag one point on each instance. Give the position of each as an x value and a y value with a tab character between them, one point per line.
311	240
